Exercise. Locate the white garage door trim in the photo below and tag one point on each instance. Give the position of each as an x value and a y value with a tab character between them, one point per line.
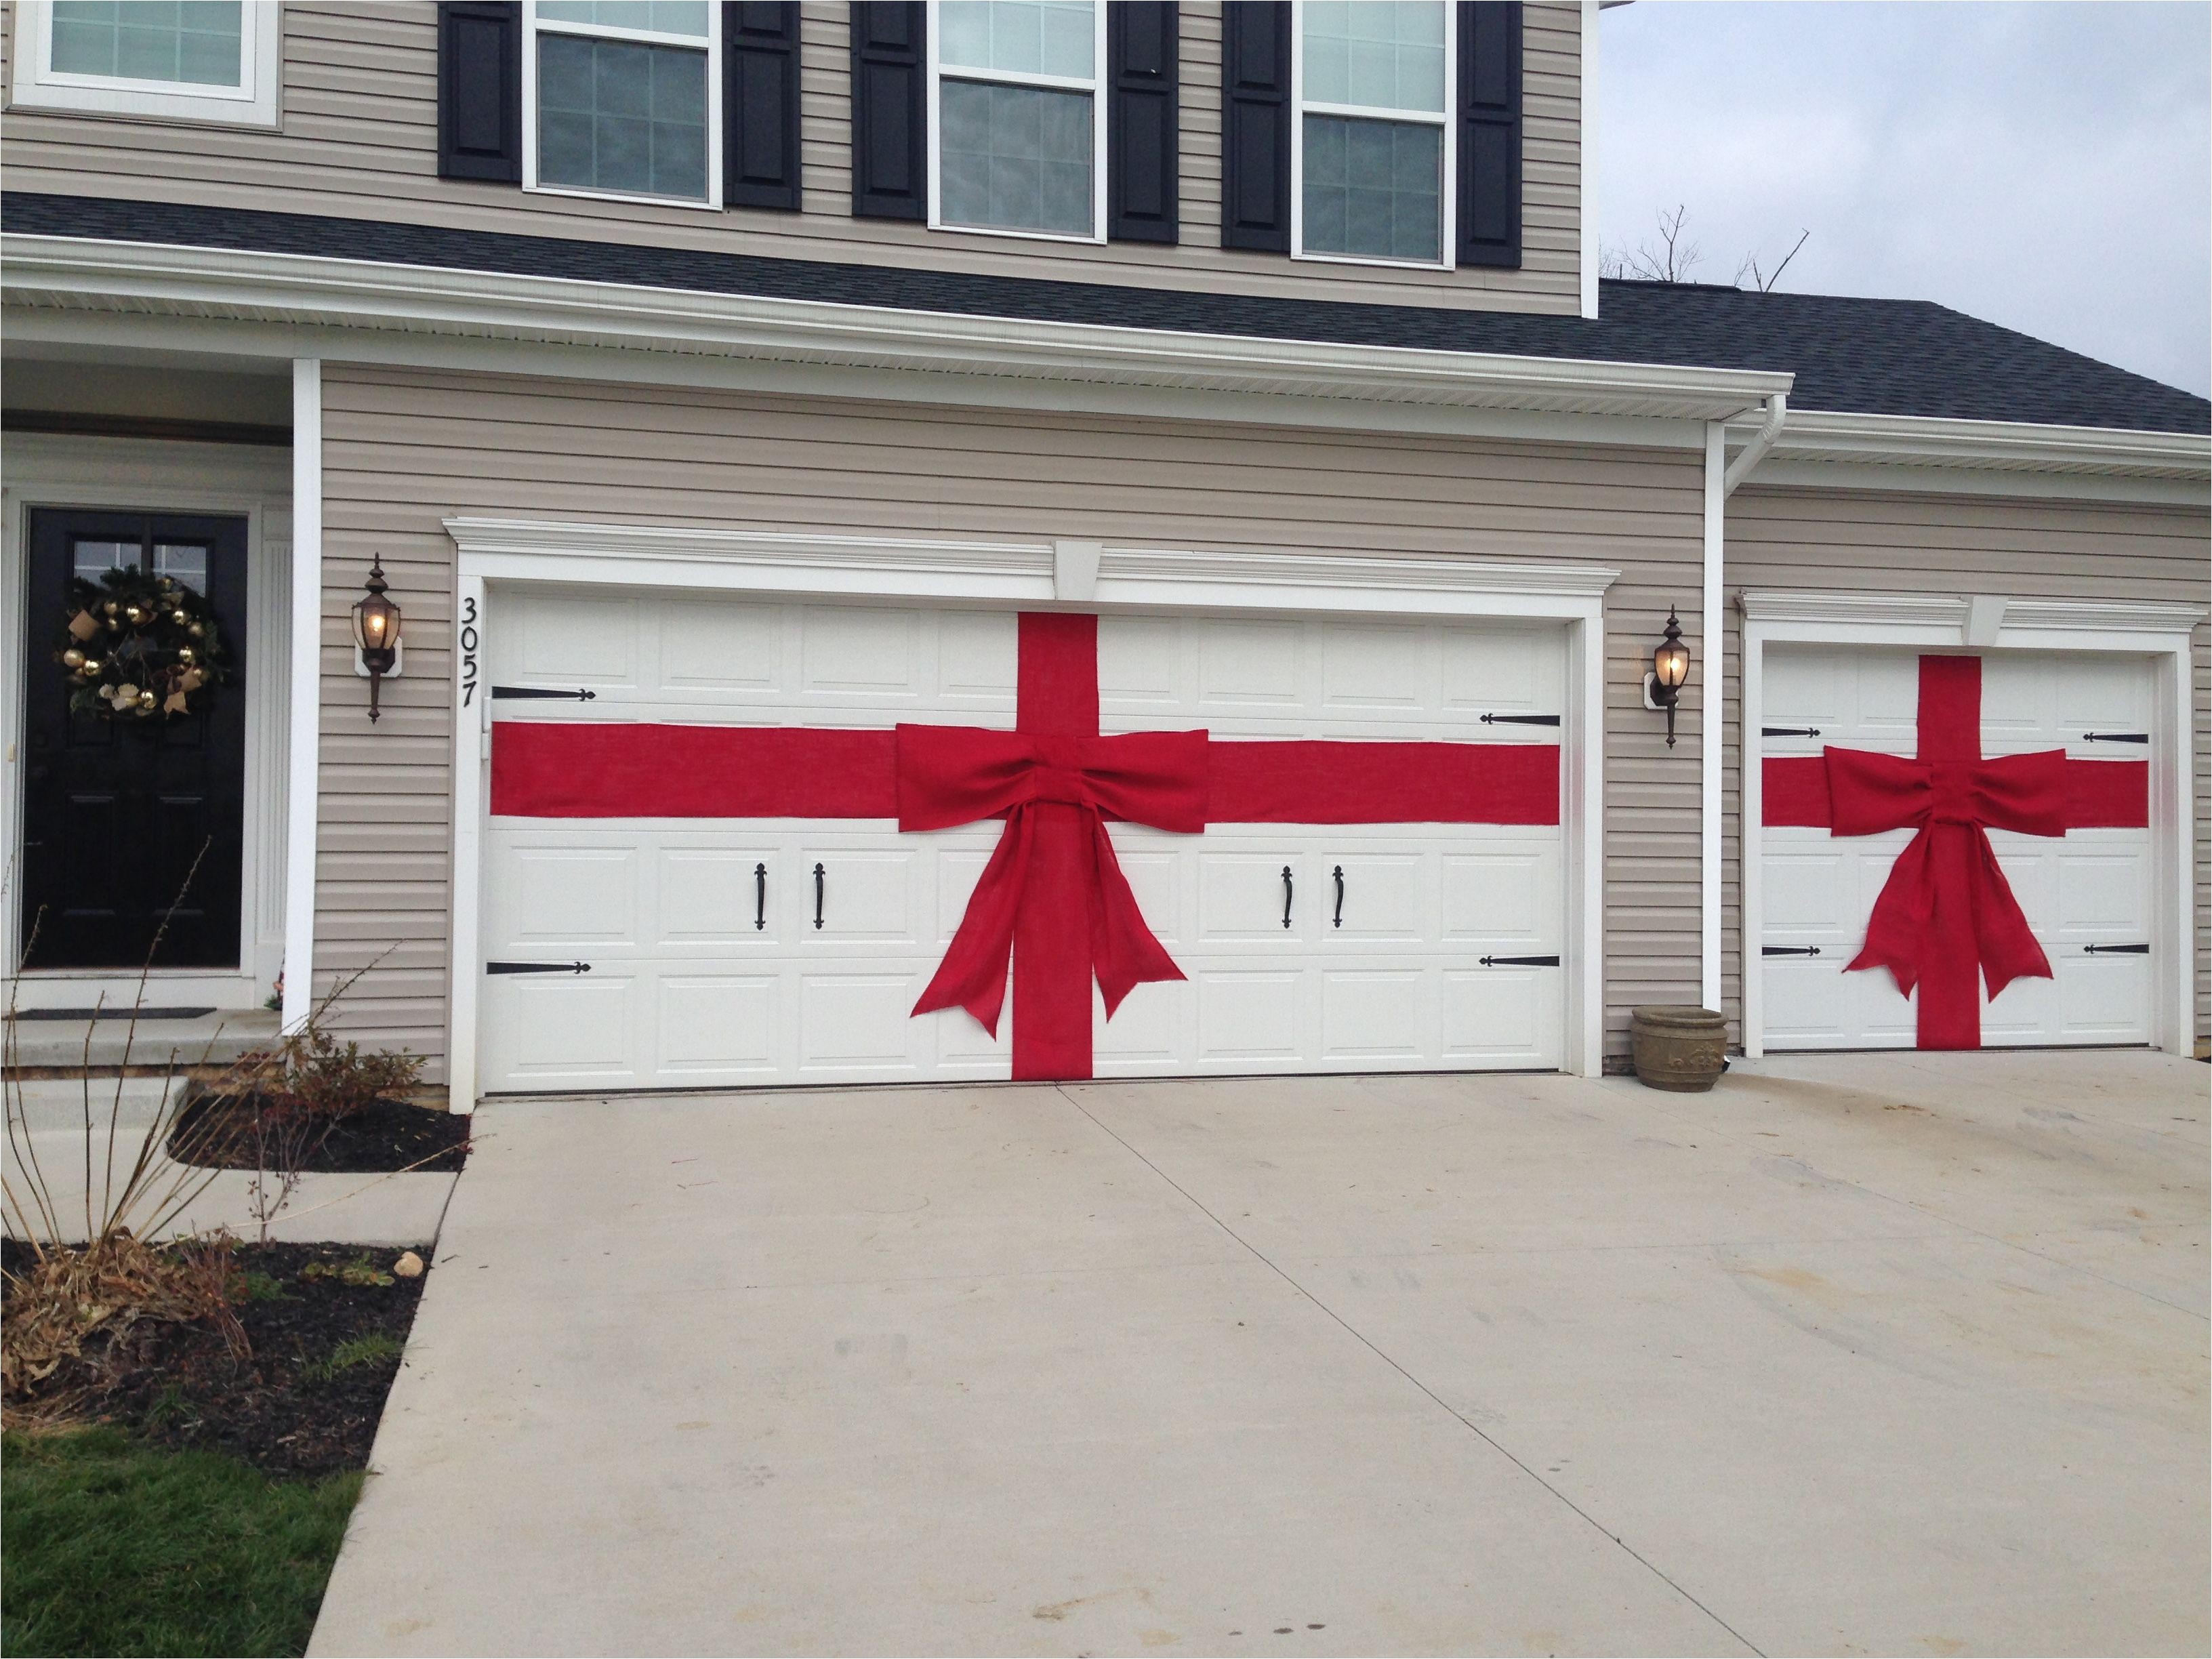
2160	632
1088	575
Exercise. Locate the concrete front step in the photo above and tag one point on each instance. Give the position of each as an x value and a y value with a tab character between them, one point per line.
401	1209
43	1103
36	1046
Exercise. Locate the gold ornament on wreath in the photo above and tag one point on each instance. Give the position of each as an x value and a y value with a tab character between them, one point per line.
139	647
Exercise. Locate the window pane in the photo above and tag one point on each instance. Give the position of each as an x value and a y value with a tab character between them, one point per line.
1015	158
615	115
1386	54
92	560
1030	37
1373	188
668	16
185	561
193	42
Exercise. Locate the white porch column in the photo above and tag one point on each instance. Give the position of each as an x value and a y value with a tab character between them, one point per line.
1712	723
301	800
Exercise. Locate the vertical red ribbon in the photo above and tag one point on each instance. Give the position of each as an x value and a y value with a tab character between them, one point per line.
1056	695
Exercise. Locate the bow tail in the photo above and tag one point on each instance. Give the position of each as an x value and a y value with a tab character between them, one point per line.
2007	944
1902	916
973	974
1123	950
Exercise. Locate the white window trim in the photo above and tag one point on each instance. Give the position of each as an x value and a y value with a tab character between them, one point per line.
251	103
1448	225
532	26
1993	624
1095	85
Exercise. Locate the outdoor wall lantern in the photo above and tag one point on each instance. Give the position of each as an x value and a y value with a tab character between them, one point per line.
1670	667
375	634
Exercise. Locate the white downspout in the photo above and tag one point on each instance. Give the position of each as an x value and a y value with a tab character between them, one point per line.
1722	476
1778	411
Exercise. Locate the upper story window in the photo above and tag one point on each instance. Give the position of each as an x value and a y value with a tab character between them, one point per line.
1371	161
1017	135
180	60
623	98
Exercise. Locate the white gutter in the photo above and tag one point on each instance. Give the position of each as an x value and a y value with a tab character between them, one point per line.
297	291
1778	411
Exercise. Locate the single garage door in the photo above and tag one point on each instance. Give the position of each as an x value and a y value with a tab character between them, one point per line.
704	951
2080	871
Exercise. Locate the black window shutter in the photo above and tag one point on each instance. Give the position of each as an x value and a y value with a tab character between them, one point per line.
480	90
890	164
1490	132
1140	122
1255	126
760	104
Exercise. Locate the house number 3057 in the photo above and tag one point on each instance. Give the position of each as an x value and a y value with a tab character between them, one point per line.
468	651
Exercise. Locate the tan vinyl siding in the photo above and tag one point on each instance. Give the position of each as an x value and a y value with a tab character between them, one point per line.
359	139
1860	542
405	449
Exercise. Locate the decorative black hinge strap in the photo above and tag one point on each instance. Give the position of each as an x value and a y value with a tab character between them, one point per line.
537	967
543	692
2116	737
1520	719
1520	962
2115	950
1789	731
1789	950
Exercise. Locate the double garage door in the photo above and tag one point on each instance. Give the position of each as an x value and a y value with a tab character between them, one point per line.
2088	896
715	952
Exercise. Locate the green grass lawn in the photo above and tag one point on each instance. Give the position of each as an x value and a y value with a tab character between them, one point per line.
114	1547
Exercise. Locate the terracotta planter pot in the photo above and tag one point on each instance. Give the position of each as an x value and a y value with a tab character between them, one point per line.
1682	1049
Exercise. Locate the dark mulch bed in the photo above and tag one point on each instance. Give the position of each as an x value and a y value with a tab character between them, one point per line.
304	1399
384	1136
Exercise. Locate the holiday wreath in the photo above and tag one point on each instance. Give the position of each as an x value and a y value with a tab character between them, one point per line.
137	646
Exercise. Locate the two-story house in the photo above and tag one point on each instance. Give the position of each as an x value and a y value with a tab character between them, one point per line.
1156	494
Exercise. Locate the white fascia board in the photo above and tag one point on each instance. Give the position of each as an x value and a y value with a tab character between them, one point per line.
296	289
1928	445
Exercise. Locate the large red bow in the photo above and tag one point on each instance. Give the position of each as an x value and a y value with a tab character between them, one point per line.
1946	883
956	774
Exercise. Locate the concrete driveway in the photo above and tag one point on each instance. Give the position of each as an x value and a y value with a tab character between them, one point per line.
1900	1355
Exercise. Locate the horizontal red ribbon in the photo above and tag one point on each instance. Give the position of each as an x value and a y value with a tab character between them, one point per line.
607	769
2099	794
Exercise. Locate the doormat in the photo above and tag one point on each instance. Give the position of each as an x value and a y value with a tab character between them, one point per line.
111	1014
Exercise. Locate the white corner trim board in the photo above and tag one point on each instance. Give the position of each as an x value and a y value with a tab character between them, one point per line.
494	553
2160	631
303	802
297	289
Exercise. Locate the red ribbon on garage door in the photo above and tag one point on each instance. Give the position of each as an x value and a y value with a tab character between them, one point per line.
1056	781
1947	919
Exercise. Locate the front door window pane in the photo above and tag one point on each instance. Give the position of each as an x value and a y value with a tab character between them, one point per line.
1015	158
188	42
184	562
1373	189
618	115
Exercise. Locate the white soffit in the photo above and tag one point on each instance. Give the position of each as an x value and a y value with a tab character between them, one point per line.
296	290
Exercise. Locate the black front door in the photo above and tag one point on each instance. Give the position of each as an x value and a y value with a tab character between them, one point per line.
117	812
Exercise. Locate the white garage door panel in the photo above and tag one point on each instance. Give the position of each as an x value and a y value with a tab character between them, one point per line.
686	991
2087	887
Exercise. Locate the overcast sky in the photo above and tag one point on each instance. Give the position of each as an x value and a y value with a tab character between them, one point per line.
2046	165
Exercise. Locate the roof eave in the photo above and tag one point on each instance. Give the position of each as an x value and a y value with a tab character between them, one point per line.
302	290
1992	446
